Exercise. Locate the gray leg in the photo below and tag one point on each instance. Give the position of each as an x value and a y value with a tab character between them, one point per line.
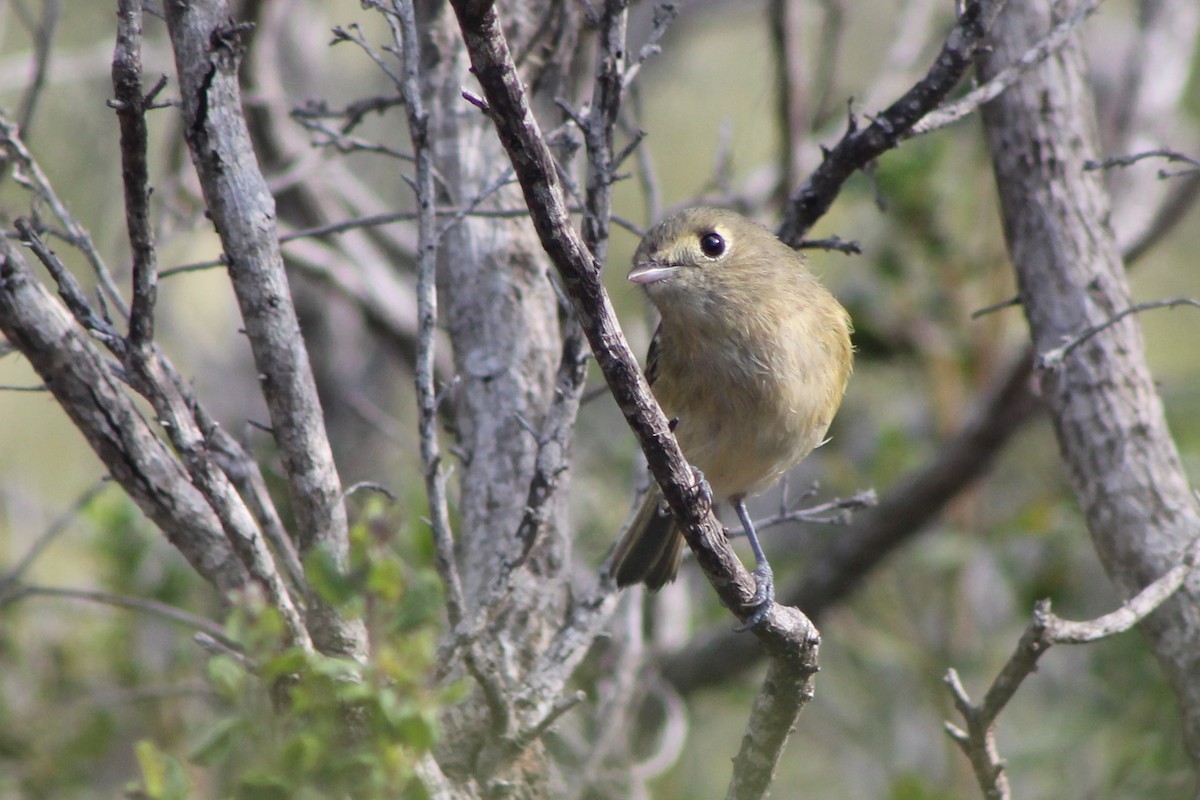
764	592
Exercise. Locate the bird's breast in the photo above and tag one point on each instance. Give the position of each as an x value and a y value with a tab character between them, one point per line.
749	407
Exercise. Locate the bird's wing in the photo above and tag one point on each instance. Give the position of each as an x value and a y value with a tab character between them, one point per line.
652	356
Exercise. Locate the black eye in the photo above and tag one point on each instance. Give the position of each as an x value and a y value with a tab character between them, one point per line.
713	244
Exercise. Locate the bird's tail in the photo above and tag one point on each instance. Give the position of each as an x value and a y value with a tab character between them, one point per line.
651	548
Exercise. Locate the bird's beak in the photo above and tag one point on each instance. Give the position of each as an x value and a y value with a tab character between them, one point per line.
651	272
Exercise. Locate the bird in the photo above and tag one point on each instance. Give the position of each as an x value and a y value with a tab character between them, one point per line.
749	363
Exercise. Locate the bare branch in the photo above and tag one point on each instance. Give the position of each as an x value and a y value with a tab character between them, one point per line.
43	39
1117	450
60	524
664	15
208	51
83	384
27	172
787	634
1130	160
145	605
130	105
786	689
402	18
1053	359
1045	630
69	289
835	243
837	511
859	147
970	103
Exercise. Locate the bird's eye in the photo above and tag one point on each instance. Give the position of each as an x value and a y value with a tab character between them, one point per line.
713	244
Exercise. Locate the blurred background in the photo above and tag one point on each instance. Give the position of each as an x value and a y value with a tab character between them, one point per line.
83	682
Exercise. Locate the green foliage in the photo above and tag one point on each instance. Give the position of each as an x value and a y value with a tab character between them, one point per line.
136	704
298	724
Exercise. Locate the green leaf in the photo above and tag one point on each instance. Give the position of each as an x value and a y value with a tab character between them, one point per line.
219	741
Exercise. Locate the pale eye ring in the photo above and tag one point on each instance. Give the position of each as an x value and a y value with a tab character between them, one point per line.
712	244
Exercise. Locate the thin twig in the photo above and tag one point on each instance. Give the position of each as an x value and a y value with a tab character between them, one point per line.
971	102
130	105
142	604
858	147
978	741
43	40
56	527
1130	160
402	18
69	289
834	512
28	172
994	307
1053	359
664	15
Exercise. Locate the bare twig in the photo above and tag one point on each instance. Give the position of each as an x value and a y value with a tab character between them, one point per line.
978	741
859	147
130	105
787	634
1011	302
145	605
56	527
43	39
69	289
351	115
836	512
1130	160
793	106
402	17
664	15
970	103
1053	359
28	172
835	243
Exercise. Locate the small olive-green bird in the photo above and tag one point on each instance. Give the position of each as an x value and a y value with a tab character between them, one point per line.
750	362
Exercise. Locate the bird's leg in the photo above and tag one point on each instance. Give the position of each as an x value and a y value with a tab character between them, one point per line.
764	579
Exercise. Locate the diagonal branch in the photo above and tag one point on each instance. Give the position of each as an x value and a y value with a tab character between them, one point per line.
978	741
84	385
208	52
1058	36
787	634
901	513
857	148
536	170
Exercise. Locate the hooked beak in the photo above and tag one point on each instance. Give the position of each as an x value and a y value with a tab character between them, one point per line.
651	272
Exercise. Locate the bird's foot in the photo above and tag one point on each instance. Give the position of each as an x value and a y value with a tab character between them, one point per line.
764	596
